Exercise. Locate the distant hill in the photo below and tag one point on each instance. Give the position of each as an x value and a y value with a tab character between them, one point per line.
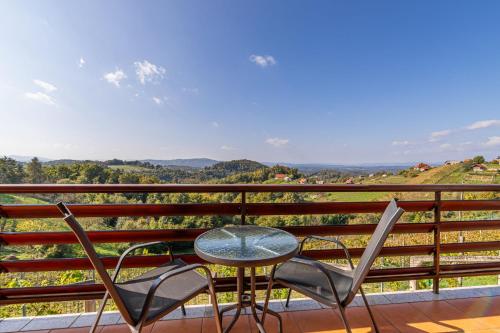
69	161
22	158
224	169
184	162
310	168
237	166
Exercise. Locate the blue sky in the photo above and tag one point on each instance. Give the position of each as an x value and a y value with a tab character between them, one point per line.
294	81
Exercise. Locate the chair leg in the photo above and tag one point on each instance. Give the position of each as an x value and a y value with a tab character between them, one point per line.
215	306
372	317
99	312
344	319
183	310
288	297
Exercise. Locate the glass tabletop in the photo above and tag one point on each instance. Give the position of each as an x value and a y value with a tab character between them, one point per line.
246	245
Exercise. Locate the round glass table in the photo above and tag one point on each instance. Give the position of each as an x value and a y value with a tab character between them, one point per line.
246	246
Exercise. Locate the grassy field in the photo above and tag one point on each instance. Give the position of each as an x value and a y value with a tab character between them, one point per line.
19	199
129	168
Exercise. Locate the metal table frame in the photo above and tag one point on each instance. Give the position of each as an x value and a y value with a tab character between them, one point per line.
244	299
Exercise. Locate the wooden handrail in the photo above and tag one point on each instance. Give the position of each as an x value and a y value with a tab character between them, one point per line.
234	209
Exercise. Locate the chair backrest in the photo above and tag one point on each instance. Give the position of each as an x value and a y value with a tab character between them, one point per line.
84	240
390	216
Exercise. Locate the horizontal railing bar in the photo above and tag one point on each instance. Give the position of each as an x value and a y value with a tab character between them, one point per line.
470	267
117	210
119	236
40	265
469	247
210	188
447	226
232	209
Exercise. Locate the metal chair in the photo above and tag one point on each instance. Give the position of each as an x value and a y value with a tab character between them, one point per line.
147	298
328	284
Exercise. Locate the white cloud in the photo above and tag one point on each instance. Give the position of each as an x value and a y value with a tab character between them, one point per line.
493	141
262	60
224	147
277	142
148	72
445	146
158	100
400	143
81	62
215	124
435	136
483	124
41	98
115	77
45	85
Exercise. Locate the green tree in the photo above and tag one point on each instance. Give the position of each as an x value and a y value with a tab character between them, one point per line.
10	171
478	159
34	172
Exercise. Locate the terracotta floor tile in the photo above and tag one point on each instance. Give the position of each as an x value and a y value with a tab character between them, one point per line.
408	319
485	310
360	321
181	325
318	321
241	326
448	315
115	329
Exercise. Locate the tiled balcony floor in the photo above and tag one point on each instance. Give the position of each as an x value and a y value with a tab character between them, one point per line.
466	310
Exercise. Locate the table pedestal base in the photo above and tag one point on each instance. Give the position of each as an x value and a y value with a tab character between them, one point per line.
248	300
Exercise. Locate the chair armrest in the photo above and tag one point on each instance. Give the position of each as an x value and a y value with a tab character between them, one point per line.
164	277
132	249
332	240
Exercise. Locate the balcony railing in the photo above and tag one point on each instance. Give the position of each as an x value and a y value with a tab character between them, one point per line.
437	205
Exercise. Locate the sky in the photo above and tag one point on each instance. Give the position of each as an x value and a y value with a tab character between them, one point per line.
285	81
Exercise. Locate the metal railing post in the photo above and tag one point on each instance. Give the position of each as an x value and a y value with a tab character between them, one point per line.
437	241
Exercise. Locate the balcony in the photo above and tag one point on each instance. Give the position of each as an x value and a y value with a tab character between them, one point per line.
435	313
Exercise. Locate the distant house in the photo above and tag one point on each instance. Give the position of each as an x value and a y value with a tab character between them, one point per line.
320	182
479	168
451	162
287	179
371	175
280	176
349	181
467	160
302	181
422	167
384	175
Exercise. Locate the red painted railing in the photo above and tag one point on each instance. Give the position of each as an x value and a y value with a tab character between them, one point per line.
244	209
